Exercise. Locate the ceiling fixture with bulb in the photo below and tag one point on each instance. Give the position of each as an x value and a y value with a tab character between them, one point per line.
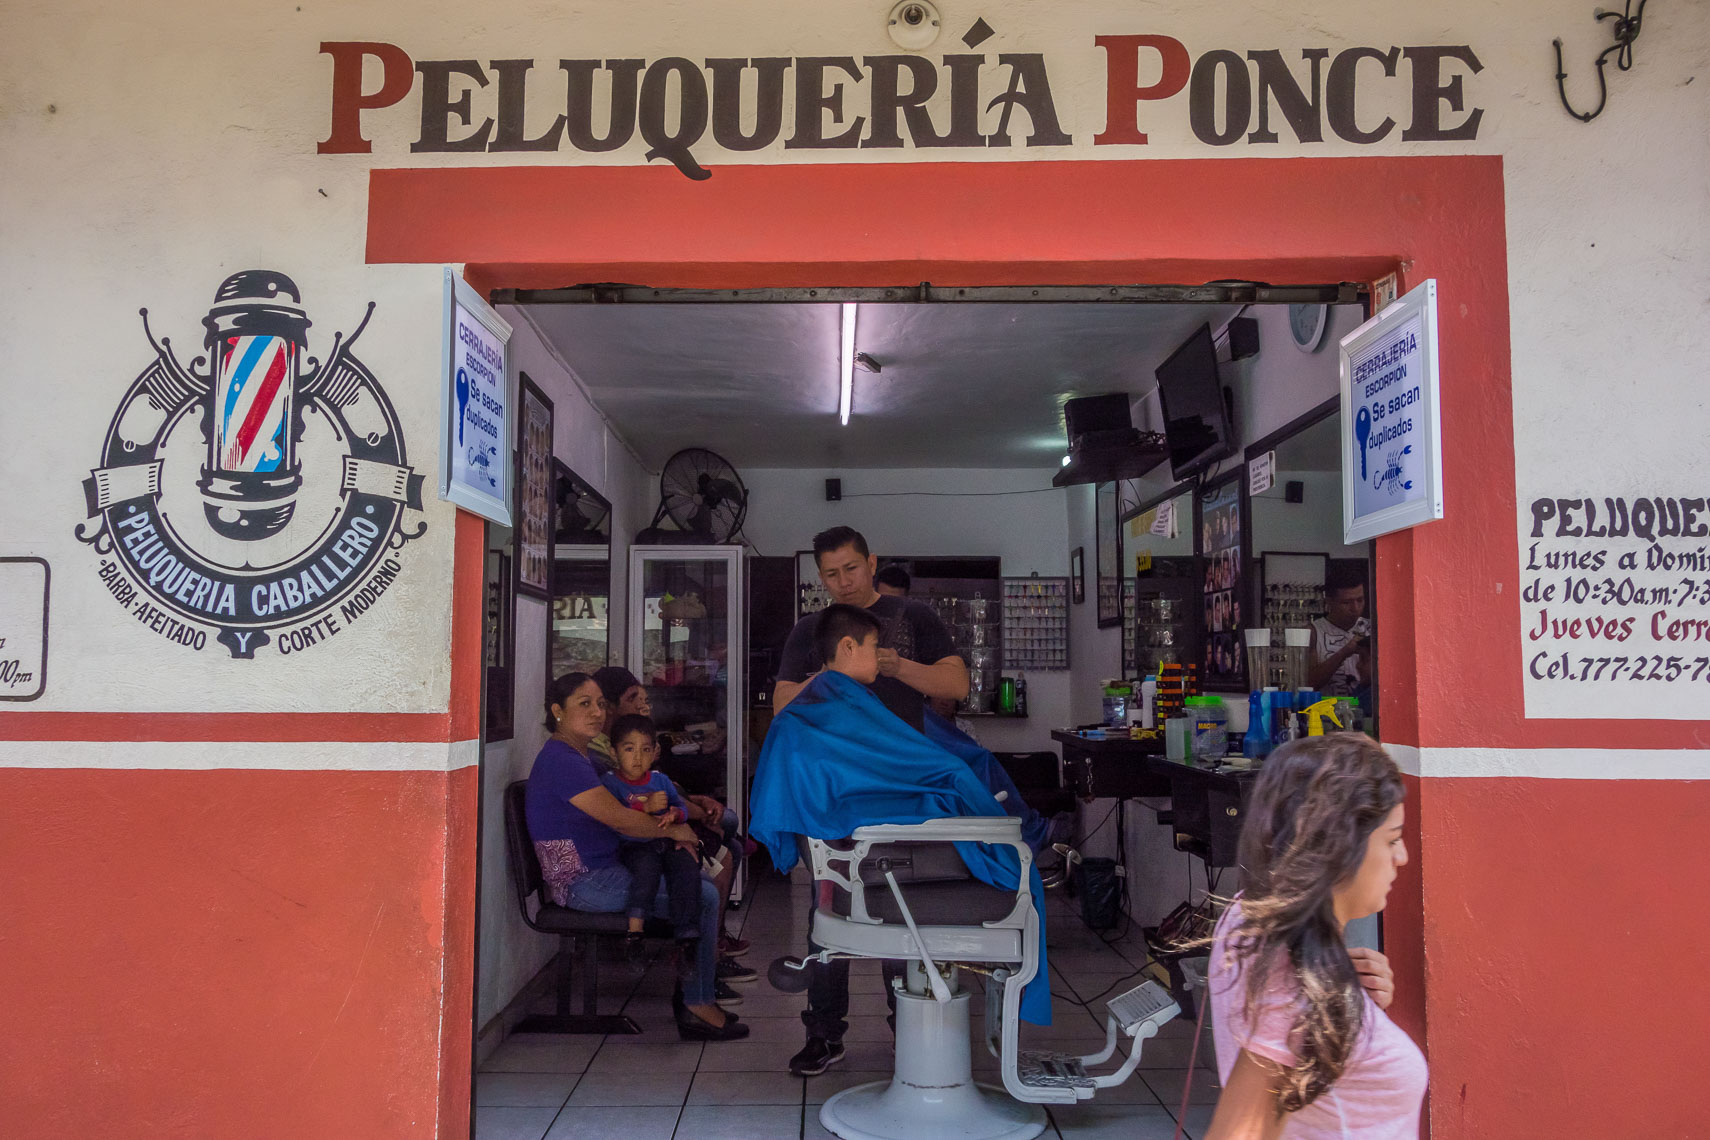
846	364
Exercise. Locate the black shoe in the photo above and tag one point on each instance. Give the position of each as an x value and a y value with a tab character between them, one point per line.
734	972
725	996
816	1056
692	1028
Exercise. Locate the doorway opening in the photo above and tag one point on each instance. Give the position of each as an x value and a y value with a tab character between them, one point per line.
947	463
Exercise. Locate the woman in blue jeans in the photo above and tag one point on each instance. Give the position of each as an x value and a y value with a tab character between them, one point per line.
575	823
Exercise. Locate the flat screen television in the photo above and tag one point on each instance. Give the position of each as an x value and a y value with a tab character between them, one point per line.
1196	419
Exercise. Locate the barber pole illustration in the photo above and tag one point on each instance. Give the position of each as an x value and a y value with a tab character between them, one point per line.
256	342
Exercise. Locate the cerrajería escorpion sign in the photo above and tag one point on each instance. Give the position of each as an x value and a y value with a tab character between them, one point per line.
256	489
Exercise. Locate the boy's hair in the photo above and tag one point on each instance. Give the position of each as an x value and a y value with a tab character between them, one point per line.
836	539
631	725
838	621
892	574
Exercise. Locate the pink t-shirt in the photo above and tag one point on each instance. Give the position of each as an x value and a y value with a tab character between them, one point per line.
1380	1092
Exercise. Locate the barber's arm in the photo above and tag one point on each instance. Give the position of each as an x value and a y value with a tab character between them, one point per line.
795	664
1318	674
947	677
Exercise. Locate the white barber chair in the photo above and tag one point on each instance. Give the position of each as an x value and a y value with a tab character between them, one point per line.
901	891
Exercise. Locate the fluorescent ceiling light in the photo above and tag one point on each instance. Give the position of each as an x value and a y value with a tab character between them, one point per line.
846	363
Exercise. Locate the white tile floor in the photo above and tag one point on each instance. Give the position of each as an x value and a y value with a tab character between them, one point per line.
657	1087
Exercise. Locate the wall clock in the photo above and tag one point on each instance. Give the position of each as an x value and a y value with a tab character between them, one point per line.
1307	323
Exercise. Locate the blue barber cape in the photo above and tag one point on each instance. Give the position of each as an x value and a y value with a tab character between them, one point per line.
836	759
1035	828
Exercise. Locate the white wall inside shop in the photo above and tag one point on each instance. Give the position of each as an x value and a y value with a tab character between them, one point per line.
964	514
510	952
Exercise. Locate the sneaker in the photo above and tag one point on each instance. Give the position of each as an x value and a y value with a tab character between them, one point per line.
734	972
730	946
816	1056
725	996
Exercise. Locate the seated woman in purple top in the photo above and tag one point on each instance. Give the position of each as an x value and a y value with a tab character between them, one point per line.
575	824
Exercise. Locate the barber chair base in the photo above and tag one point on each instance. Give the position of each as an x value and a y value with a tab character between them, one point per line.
933	1095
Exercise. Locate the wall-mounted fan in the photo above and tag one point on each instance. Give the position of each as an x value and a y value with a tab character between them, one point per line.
702	494
581	514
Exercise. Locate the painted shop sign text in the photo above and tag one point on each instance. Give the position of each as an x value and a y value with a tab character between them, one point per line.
684	110
1615	593
259	495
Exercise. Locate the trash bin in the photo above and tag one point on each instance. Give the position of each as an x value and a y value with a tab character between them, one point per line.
1101	892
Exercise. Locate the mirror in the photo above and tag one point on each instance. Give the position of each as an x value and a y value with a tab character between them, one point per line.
1298	551
1159	623
1108	555
578	636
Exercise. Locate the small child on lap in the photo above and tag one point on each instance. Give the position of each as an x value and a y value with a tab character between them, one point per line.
635	749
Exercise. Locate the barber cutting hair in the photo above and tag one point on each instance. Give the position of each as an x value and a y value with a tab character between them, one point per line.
916	660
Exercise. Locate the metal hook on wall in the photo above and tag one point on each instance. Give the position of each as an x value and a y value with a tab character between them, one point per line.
1626	29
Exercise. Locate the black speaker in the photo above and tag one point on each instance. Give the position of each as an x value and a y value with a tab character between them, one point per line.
1294	491
1243	338
833	490
1086	415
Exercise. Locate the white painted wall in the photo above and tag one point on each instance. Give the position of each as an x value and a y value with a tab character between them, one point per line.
511	953
963	515
1314	524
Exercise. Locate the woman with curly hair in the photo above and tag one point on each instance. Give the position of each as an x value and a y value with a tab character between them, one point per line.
1304	1047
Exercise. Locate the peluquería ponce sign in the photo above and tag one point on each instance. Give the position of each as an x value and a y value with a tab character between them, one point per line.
688	111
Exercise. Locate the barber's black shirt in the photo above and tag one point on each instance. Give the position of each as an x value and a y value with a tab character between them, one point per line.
905	625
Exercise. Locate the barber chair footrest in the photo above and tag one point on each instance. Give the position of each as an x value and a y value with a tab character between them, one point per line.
895	1110
1043	1069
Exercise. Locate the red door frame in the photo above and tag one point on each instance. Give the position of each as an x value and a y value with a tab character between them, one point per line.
1097	222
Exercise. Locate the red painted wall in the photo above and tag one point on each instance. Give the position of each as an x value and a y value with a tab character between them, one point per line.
222	954
1494	927
243	953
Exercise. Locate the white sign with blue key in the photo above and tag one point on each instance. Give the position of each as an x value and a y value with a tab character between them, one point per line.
1392	453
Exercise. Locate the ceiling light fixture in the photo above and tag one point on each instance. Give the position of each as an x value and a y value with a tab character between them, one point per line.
846	363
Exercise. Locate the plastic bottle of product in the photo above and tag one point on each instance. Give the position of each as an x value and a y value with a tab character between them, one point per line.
1210	728
1282	717
1115	703
1256	745
1020	693
1149	703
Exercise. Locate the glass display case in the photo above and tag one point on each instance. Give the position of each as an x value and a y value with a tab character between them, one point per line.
687	637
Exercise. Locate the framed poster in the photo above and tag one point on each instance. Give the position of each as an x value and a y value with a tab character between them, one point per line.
533	542
1392	450
1107	532
475	405
1078	575
1220	540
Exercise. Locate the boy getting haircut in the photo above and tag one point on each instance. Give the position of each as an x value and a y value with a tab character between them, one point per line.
838	621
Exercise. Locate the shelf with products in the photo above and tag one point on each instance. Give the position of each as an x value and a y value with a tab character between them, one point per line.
1036	623
1293	595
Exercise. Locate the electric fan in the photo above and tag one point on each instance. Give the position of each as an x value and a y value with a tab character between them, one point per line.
580	515
703	495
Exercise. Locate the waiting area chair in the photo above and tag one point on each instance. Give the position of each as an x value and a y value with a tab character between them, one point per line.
900	891
579	932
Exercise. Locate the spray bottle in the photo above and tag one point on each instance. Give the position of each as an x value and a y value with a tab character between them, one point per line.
1256	745
1315	715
